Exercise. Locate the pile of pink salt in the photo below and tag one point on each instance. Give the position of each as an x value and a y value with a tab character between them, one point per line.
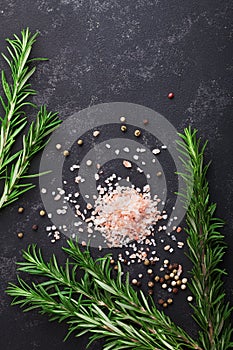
125	214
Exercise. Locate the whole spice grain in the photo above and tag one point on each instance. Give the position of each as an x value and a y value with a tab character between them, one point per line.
80	142
147	262
150	284
20	210
190	298
66	153
137	133
20	235
171	95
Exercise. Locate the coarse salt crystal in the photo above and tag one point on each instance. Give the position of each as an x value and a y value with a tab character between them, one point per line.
156	151
96	133
127	164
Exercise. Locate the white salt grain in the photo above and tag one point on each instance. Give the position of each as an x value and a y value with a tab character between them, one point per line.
156	151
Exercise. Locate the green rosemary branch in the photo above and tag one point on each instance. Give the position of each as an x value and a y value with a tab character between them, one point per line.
16	93
15	166
99	303
33	142
106	306
206	248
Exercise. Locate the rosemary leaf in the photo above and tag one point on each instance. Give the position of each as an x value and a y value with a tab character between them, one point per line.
16	93
206	249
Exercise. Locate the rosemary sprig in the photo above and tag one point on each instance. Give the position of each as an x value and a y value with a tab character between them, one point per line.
33	142
99	304
14	167
16	93
109	307
206	248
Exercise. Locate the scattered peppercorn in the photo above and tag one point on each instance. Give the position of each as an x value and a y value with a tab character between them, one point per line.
160	301
161	280
150	291
145	122
116	267
20	235
20	210
137	133
184	280
123	128
183	286
147	262
170	267
149	271
190	298
170	301
134	281
157	278
112	261
166	277
164	285
80	142
170	95
150	284
42	212
34	227
165	305
175	290
66	153
139	284
178	282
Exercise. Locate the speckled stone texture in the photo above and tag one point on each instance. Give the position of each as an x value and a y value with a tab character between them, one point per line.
134	51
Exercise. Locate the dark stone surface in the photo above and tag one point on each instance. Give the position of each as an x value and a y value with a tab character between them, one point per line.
133	51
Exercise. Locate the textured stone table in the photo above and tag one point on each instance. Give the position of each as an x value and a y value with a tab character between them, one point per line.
130	51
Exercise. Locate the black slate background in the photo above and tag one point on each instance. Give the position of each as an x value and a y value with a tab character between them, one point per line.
134	51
